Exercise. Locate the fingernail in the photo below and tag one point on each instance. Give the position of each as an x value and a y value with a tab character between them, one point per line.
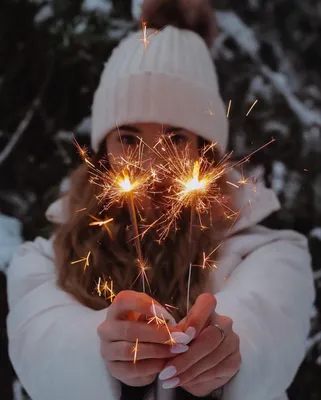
171	383
191	332
167	373
180	337
181	348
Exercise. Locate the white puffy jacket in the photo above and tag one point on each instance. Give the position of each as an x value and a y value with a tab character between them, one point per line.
264	283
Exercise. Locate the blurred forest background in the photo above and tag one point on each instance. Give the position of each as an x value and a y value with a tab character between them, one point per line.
51	56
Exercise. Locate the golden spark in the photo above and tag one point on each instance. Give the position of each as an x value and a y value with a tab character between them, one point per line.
155	318
83	152
229	109
207	262
171	340
103	289
145	38
251	107
102	223
84	259
135	351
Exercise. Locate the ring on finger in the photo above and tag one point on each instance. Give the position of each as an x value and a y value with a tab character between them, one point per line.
223	336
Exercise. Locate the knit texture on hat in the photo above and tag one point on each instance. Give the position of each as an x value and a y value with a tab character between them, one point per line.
172	82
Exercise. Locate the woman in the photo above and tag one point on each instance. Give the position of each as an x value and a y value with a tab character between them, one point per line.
65	343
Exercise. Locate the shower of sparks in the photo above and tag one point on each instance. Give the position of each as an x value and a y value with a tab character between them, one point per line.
229	109
82	209
251	107
155	318
171	340
194	184
84	259
127	177
207	262
145	38
135	351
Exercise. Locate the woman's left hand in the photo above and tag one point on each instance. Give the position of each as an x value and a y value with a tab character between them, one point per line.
213	357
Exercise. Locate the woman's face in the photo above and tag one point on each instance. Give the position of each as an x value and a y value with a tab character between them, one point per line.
127	137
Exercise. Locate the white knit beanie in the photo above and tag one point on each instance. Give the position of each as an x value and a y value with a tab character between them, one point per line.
173	81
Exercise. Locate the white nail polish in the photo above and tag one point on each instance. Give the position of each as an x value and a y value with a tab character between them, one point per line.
171	383
191	332
167	373
181	348
180	337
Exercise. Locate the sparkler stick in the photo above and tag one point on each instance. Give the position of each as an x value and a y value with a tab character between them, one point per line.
190	245
133	216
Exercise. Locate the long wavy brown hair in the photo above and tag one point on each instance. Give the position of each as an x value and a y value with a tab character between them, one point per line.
114	257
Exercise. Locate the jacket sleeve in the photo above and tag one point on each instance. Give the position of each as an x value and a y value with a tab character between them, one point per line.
269	297
53	343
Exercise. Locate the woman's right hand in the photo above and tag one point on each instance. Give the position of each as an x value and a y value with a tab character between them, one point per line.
119	332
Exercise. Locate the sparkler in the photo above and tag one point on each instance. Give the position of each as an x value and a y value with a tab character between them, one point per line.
128	181
125	180
195	185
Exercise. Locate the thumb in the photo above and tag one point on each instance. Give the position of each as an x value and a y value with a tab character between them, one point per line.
199	316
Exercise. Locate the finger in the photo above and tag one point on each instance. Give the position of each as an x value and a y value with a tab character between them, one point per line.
222	372
206	388
130	331
204	344
145	381
142	368
129	303
213	359
199	315
124	351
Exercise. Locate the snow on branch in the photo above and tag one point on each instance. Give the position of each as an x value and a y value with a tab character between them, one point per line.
246	39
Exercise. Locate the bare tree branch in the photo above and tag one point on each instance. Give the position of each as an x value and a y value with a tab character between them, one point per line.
22	127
